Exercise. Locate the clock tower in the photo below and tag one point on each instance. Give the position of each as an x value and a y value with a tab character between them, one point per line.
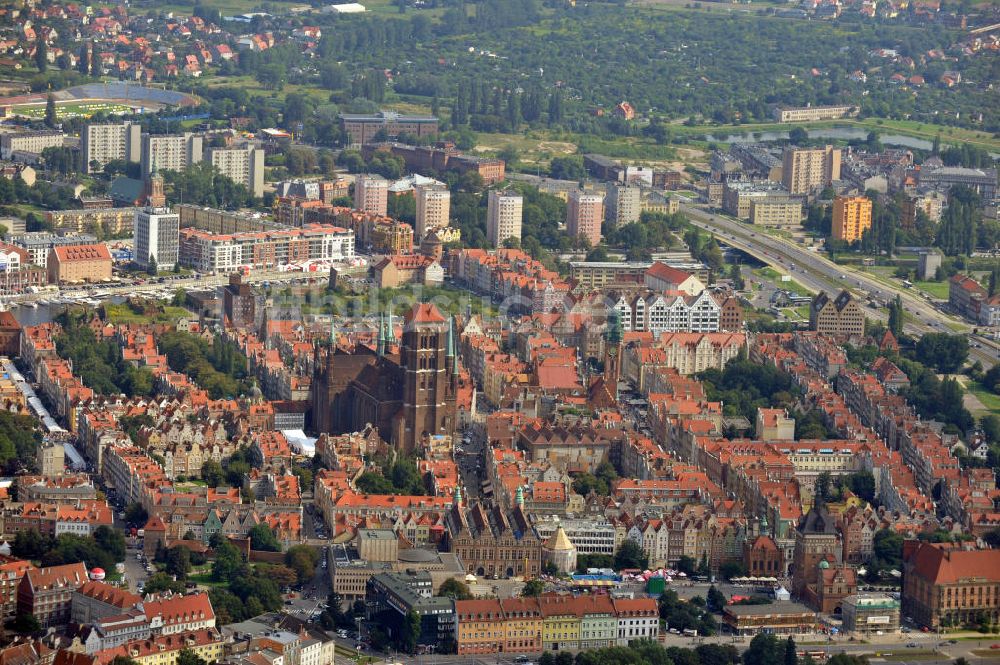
613	350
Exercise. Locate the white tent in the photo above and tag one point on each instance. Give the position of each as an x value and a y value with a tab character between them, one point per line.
299	442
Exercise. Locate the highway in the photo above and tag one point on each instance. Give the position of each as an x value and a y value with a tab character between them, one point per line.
817	273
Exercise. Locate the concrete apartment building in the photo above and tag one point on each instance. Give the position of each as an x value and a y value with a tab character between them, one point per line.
156	233
244	165
776	211
623	204
503	217
433	205
738	195
100	144
79	263
33	142
806	169
931	204
371	194
584	215
112	221
852	216
170	152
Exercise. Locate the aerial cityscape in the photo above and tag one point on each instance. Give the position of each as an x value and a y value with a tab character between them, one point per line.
499	332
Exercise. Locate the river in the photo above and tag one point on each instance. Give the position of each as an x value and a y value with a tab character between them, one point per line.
33	316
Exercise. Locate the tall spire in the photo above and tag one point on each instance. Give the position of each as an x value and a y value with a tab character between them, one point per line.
380	343
450	352
333	333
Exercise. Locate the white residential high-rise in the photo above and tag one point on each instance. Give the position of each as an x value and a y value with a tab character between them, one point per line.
371	194
156	236
623	204
503	217
433	205
170	152
101	144
243	165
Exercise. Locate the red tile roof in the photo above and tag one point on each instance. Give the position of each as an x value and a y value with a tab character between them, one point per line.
424	313
97	252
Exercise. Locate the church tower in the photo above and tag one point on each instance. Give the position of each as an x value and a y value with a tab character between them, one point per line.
429	368
155	196
613	351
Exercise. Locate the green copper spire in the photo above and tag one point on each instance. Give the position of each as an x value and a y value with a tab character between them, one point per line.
613	333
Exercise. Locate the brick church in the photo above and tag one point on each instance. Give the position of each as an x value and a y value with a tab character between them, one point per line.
406	390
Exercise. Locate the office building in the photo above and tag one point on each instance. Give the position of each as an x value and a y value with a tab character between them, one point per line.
29	142
433	207
170	152
813	113
623	204
100	144
945	585
79	263
206	252
503	216
243	165
584	216
391	597
806	169
363	128
156	237
371	194
852	216
840	316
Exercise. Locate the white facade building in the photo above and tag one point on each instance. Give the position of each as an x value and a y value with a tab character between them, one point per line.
155	233
503	217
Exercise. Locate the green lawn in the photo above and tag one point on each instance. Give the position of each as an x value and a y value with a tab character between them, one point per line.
73	110
989	399
907	655
122	313
937	289
772	275
205	579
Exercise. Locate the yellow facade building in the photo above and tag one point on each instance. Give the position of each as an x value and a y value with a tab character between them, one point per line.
852	216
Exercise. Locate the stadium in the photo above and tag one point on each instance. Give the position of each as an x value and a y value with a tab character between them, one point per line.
114	97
